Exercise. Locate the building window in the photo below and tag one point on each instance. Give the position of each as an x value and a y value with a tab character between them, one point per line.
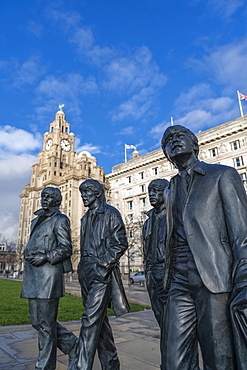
129	179
55	173
129	191
213	152
142	188
143	202
131	233
235	145
130	205
130	217
117	206
141	175
243	177
238	162
155	171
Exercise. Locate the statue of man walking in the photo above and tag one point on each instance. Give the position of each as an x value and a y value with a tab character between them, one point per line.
103	242
47	258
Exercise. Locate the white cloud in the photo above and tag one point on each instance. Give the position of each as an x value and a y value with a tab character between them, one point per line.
91	148
17	140
209	104
15	173
225	8
30	71
137	77
136	107
67	87
18	74
15	168
225	65
34	28
128	131
88	49
135	71
81	36
134	78
158	130
199	109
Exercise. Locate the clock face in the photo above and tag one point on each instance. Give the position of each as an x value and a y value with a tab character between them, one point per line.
48	144
65	145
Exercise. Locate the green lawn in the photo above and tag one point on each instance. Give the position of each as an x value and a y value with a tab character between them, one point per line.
14	310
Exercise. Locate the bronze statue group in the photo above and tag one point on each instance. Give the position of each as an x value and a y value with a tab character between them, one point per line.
195	262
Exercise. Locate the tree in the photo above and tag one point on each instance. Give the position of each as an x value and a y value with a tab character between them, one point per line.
135	243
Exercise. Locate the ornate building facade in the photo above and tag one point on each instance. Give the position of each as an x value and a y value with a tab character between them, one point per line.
58	166
225	144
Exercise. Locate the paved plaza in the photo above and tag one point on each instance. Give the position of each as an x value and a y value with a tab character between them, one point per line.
136	337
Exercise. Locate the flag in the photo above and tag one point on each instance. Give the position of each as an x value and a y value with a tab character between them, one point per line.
129	146
242	96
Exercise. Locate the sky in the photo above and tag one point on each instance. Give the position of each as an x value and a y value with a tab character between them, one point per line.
121	68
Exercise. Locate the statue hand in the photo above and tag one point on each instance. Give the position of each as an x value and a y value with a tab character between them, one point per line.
37	259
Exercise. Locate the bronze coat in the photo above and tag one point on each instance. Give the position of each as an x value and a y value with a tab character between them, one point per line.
215	223
110	242
50	235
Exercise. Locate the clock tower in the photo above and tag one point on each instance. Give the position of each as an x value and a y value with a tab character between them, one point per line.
58	144
58	166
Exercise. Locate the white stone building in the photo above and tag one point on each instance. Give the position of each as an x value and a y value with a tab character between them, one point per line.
225	144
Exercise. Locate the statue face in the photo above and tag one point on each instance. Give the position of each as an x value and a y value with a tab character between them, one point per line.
156	197
48	200
89	196
178	143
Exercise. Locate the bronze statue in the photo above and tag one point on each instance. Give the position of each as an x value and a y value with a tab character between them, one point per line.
47	258
154	236
205	266
103	242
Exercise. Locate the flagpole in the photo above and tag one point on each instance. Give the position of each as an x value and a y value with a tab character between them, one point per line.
171	121
240	105
125	154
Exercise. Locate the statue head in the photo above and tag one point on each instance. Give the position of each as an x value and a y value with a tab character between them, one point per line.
51	197
156	192
92	193
178	133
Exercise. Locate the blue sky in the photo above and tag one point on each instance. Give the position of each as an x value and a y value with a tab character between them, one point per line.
122	68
